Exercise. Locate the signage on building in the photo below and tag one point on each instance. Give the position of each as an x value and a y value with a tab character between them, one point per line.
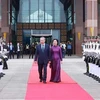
79	35
4	36
91	31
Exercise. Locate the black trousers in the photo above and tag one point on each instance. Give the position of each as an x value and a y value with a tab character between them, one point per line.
31	54
42	69
87	66
11	53
5	66
18	54
69	52
21	53
8	55
27	51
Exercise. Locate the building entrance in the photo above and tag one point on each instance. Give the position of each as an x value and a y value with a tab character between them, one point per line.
33	36
35	39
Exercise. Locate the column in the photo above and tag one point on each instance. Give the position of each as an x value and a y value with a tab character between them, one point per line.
99	17
91	12
78	11
5	18
0	17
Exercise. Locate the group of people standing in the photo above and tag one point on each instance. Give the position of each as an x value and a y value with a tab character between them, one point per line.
20	50
10	50
27	49
66	49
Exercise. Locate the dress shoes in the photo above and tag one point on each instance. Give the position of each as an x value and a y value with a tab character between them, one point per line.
50	80
57	81
44	82
1	75
40	80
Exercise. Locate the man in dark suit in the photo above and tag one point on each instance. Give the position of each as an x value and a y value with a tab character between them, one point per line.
11	50
42	56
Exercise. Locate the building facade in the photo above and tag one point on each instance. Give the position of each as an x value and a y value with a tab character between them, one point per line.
41	18
82	18
24	21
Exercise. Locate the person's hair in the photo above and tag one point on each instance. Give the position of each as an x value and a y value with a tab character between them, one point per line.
42	38
68	42
56	40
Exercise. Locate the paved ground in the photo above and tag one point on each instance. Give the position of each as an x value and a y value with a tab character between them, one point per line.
13	85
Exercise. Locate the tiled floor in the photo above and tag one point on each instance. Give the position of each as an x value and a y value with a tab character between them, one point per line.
13	85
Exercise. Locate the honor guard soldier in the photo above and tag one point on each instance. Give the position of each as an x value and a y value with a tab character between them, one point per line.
91	55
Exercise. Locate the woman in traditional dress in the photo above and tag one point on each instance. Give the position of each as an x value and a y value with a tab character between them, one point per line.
56	58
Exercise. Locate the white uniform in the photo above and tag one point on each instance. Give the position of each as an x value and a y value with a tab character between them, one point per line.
64	46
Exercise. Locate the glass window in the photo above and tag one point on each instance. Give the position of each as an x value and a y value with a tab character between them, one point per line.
57	5
24	11
57	11
33	5
48	11
14	18
57	16
48	17
33	11
40	31
69	18
40	11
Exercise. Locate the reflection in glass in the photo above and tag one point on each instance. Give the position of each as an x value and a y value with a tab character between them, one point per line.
69	18
41	11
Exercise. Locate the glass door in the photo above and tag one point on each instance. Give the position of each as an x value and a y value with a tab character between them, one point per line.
49	39
36	39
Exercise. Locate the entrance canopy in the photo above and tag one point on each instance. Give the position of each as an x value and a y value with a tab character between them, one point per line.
40	35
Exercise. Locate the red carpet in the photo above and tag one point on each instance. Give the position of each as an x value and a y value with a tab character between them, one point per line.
68	89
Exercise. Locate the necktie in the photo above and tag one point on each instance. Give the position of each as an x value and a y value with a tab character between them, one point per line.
43	48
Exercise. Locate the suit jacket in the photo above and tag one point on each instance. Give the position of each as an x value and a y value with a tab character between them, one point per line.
19	48
12	48
40	56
